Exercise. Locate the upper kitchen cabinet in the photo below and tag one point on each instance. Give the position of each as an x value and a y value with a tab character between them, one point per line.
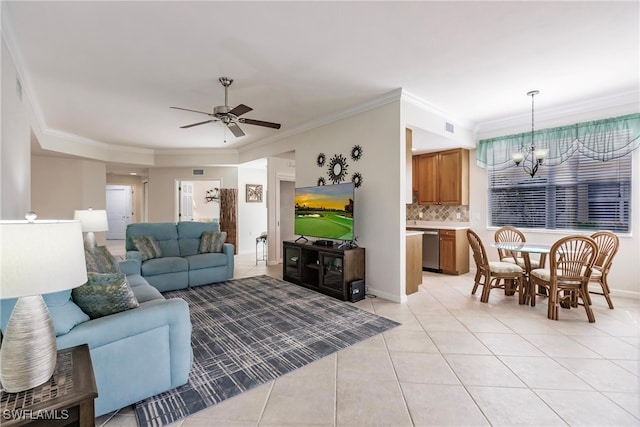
443	177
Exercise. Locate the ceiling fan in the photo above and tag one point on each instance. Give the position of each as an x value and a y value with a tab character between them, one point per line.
229	116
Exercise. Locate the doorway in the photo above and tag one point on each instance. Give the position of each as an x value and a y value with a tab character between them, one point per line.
198	200
119	210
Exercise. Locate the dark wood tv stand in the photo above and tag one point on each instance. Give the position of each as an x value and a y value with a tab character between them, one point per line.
326	269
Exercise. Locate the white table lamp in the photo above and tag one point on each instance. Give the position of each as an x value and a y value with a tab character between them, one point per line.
36	257
92	221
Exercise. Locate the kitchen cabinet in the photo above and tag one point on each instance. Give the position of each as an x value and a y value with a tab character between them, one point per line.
443	177
454	251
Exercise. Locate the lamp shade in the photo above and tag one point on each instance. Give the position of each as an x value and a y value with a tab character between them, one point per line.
40	257
92	220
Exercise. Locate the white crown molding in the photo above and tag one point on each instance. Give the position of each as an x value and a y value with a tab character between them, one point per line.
105	146
7	32
386	98
426	105
589	106
193	151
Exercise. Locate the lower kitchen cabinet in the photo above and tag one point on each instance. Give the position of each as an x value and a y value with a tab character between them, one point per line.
454	251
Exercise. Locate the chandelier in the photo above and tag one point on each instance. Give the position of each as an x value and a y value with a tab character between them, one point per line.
532	157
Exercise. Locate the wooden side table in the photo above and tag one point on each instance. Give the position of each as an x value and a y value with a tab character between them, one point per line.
65	400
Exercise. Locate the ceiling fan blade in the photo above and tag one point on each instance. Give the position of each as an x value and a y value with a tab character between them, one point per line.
260	123
193	111
235	129
197	124
240	110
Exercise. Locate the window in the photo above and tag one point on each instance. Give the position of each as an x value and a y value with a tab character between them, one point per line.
579	194
584	184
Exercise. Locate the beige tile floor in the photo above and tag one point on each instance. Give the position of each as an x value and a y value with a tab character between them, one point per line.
454	361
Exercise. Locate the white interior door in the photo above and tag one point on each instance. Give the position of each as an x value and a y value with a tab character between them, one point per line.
186	201
119	210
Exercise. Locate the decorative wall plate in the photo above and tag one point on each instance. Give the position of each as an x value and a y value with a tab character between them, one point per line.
356	178
356	152
337	168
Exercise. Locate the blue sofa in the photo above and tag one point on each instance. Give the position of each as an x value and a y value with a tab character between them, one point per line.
136	353
180	264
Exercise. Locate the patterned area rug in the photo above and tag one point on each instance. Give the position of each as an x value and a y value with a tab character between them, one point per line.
249	331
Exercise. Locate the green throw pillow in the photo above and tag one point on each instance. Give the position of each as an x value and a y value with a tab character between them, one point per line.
104	294
147	246
100	260
212	241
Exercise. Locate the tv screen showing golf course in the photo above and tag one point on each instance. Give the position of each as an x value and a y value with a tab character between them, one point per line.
325	211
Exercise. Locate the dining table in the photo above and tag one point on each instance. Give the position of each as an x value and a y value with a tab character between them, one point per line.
526	248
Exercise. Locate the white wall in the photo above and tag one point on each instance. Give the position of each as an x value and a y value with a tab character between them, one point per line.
203	210
252	216
379	204
278	168
624	278
15	151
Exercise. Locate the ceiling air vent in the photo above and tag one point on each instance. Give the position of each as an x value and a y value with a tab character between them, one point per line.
198	172
448	127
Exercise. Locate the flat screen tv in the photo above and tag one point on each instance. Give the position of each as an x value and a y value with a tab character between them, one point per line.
325	211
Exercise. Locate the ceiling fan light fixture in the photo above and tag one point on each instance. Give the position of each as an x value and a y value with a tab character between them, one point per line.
229	116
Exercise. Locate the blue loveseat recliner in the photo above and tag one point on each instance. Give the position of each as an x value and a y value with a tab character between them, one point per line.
136	353
180	264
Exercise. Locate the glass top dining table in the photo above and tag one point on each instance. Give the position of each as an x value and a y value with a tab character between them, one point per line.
526	248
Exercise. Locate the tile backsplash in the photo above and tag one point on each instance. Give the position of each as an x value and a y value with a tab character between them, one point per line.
437	213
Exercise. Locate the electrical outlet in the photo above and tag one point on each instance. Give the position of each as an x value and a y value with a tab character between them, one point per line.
458	215
420	215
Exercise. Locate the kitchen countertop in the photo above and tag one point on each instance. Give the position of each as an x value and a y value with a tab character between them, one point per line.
430	225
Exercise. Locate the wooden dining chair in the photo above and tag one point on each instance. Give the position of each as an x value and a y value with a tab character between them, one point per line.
608	244
571	260
512	234
494	274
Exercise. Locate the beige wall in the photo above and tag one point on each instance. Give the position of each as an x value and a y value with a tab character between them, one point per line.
59	186
136	183
162	188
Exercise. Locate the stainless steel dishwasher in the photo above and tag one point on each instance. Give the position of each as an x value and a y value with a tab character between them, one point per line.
431	250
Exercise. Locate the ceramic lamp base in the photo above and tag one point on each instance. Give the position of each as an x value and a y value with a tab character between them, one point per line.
28	354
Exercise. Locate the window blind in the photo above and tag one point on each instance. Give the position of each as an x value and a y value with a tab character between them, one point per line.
579	194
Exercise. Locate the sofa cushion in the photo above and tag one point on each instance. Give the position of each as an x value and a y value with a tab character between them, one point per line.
145	292
153	267
165	233
147	246
100	260
196	262
105	294
212	241
64	313
189	233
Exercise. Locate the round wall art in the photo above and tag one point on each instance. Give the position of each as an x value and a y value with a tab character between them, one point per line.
356	178
356	152
337	168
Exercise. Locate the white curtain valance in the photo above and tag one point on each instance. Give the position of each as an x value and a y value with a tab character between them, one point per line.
603	140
